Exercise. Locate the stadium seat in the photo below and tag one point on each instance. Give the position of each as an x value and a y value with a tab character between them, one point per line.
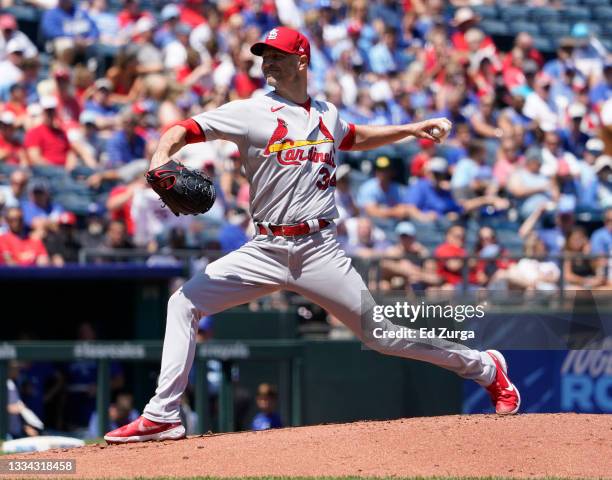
544	44
518	27
488	12
512	13
543	14
495	28
595	3
571	3
595	29
603	14
576	14
556	29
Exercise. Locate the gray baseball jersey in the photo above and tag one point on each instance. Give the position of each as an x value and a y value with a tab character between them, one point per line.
288	151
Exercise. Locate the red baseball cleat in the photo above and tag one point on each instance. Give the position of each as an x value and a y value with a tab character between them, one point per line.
504	394
144	430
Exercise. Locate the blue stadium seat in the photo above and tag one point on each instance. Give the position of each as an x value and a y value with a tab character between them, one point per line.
544	44
607	42
603	14
595	3
488	12
556	29
543	14
493	27
518	27
571	3
576	14
595	29
511	13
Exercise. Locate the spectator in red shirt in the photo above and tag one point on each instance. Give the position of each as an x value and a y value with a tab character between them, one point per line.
68	108
131	13
16	247
11	149
47	144
464	20
451	269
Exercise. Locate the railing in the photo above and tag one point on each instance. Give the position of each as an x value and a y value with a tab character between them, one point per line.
288	352
368	268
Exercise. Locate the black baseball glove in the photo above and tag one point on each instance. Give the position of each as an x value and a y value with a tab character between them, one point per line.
184	191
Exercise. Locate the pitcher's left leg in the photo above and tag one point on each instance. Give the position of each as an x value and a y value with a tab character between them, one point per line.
328	278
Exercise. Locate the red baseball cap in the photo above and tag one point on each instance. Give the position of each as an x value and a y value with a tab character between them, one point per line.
8	22
286	40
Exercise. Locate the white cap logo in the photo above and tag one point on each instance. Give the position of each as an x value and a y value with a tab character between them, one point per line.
273	34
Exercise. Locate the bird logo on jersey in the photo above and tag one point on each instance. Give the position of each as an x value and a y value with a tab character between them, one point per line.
292	152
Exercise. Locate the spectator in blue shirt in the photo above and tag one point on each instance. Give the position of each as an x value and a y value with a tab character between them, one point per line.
381	197
67	20
101	106
602	90
385	56
39	204
267	417
431	195
126	144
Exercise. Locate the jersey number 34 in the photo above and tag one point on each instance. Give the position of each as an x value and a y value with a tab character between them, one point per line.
326	180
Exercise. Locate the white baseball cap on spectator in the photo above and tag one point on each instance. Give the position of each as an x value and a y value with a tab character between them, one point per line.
87	117
48	103
14	45
576	110
603	162
437	165
169	12
144	24
463	15
380	91
405	228
594	145
7	118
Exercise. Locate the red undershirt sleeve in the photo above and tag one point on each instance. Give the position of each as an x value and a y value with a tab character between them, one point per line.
194	131
349	139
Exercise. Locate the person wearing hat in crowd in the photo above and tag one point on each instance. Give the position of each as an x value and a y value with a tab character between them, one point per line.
150	58
175	51
599	192
101	106
17	248
9	30
170	16
464	20
47	143
404	263
11	66
62	242
573	136
539	104
68	107
11	148
40	204
529	187
125	145
381	197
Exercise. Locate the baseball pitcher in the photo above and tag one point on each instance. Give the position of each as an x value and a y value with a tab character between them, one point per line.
288	145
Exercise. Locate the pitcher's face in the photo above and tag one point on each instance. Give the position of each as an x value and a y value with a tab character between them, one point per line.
279	68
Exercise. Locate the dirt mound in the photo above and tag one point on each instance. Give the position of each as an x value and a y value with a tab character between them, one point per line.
561	445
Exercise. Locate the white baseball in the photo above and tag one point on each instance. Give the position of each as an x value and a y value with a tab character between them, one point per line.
436	132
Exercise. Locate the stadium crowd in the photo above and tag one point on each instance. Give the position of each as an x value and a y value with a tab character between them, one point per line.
526	170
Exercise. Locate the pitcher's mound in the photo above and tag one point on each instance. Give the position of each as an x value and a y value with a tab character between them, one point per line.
559	445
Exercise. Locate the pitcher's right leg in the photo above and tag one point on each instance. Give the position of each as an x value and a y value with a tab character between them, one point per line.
239	277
